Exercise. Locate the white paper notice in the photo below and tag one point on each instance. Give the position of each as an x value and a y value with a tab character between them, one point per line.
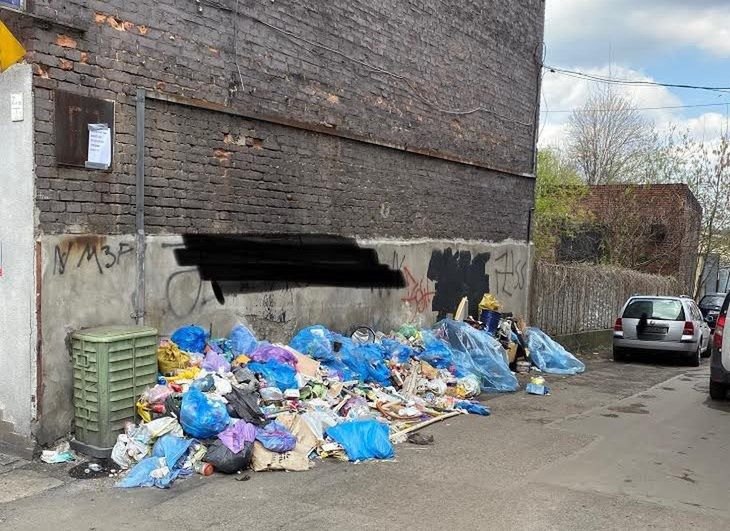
100	147
16	107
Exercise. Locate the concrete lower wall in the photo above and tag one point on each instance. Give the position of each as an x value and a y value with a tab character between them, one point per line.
90	280
582	342
17	261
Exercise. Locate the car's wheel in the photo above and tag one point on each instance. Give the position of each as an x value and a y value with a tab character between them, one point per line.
706	353
619	354
718	391
693	360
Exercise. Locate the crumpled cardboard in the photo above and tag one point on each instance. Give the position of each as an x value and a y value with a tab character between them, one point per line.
295	461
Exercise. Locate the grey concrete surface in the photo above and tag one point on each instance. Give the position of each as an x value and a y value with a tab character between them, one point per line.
89	281
17	261
584	457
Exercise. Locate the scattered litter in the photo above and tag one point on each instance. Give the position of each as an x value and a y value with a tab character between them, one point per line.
419	438
231	404
61	453
93	470
537	386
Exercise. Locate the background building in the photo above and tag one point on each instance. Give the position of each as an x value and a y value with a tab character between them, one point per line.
408	125
650	228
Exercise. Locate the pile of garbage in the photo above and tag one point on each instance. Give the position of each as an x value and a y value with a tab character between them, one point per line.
234	403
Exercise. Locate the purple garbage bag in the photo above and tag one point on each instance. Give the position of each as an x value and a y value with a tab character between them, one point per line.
275	437
214	361
265	352
237	435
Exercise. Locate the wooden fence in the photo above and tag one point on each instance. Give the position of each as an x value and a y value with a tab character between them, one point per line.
568	299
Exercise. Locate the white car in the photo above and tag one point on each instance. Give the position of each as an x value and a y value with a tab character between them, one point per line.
663	326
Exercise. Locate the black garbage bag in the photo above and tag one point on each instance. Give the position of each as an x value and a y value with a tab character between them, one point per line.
243	404
245	377
225	461
172	405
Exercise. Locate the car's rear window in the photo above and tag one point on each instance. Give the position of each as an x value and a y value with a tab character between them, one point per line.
660	309
712	300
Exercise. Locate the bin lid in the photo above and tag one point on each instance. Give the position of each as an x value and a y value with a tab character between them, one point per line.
109	334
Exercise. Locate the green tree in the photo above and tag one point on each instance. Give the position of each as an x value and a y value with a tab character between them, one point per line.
558	191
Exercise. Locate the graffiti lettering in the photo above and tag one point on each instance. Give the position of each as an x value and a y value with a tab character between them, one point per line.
511	273
397	261
174	304
101	255
418	294
90	252
60	259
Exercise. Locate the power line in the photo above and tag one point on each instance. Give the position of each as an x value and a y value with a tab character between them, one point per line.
642	108
616	81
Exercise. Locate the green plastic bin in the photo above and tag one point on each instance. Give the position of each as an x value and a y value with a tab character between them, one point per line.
113	365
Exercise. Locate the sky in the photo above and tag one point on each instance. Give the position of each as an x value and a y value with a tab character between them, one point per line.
670	41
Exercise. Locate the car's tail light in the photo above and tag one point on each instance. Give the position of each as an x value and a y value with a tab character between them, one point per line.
618	326
719	329
689	328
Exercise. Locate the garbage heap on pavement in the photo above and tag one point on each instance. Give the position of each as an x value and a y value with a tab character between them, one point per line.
234	403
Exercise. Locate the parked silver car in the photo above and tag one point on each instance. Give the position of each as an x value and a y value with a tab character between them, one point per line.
661	325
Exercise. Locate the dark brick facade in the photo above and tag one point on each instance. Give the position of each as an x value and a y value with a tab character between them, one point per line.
656	225
380	70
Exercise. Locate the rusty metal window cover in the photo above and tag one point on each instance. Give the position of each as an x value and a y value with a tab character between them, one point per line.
73	114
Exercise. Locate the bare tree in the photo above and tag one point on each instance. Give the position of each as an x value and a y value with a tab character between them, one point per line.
609	139
705	167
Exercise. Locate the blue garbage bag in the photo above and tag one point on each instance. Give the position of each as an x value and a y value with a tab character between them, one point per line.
357	368
275	437
222	347
363	439
201	417
476	352
314	341
172	448
550	356
378	371
397	351
474	407
242	340
276	374
437	352
190	338
141	474
204	384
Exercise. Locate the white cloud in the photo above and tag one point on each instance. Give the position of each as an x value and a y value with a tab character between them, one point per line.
707	29
627	31
707	127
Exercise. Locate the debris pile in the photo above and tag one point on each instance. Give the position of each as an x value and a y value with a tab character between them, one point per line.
234	403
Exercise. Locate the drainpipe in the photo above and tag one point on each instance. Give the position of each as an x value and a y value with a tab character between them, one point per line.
139	308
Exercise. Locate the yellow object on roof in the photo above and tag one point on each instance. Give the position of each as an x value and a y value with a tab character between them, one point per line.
11	51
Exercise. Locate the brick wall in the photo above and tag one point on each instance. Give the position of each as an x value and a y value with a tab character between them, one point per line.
382	70
671	248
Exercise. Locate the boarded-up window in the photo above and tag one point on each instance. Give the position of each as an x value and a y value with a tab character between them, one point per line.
73	115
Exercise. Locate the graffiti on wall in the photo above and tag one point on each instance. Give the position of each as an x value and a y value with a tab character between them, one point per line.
418	290
511	273
457	274
418	293
88	253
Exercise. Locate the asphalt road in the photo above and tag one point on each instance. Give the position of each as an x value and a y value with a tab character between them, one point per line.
623	446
